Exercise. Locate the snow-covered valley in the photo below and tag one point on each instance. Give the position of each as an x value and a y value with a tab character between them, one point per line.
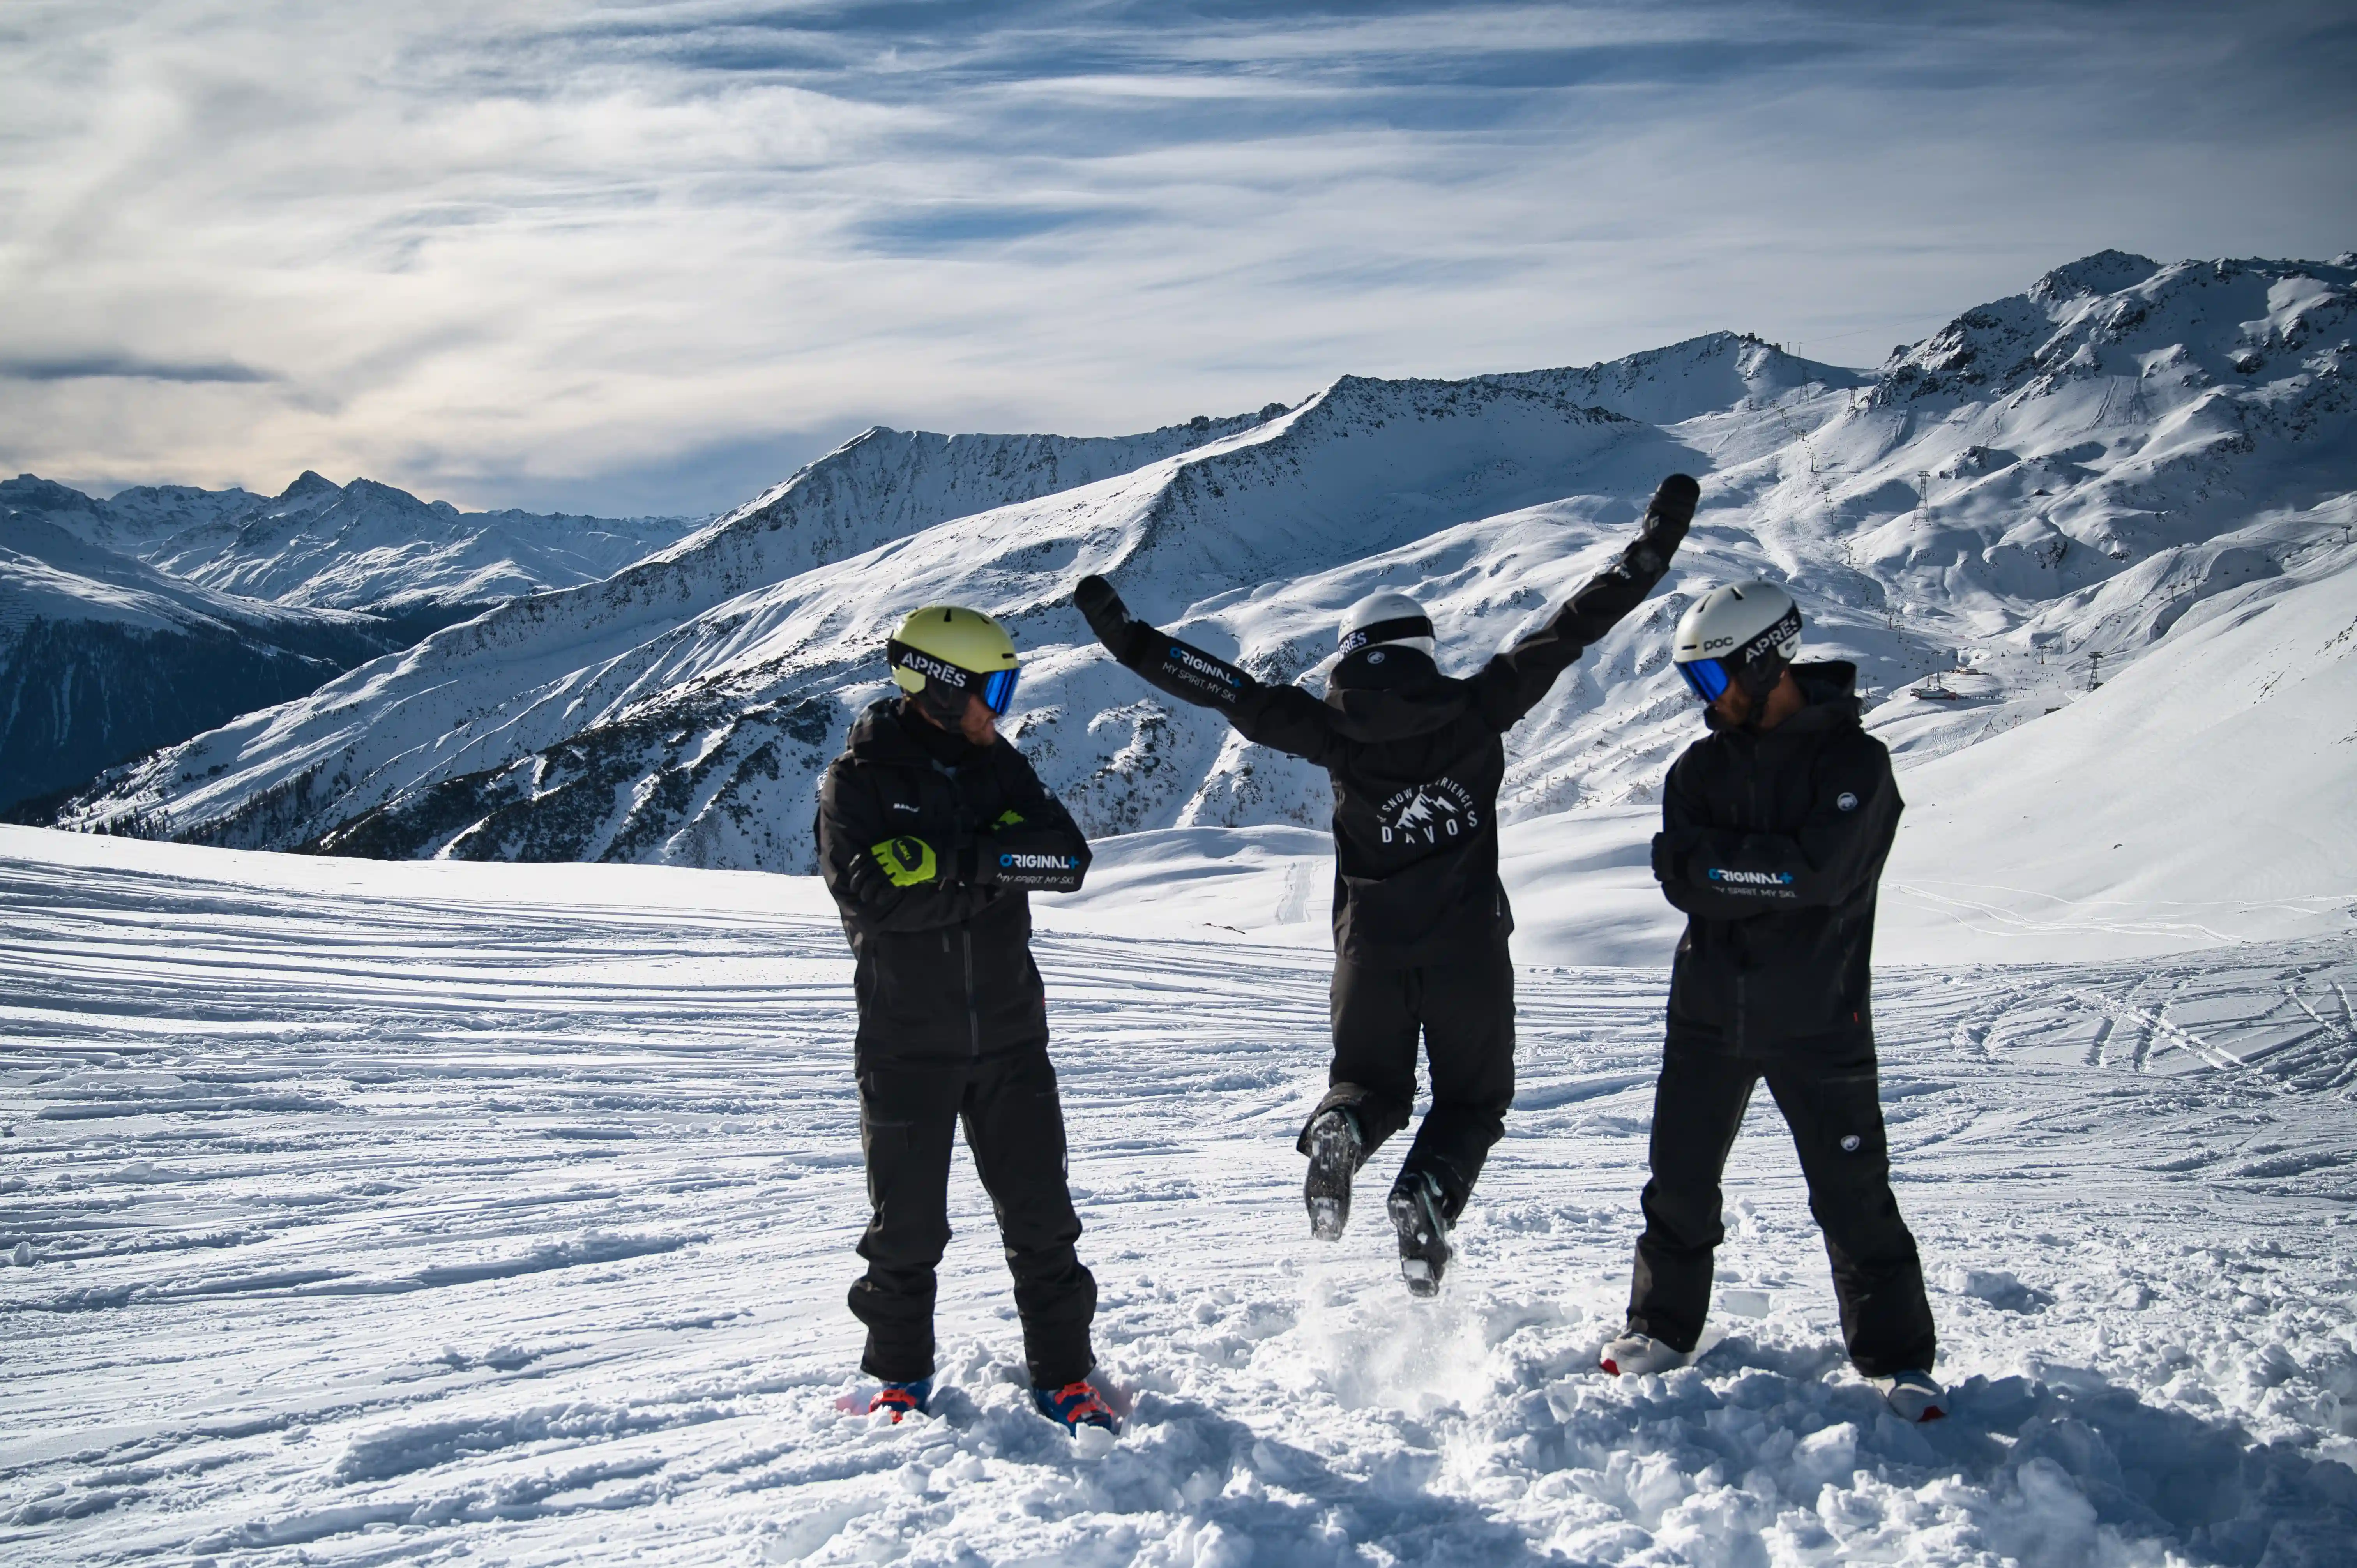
369	1213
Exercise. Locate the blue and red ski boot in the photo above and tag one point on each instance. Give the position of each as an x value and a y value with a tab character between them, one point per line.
1075	1405
902	1399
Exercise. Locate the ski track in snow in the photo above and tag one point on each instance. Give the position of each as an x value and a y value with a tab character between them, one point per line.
507	1224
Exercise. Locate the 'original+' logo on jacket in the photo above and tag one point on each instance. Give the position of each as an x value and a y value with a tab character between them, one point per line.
1429	813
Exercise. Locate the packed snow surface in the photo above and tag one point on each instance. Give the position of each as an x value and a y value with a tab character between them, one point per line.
369	1213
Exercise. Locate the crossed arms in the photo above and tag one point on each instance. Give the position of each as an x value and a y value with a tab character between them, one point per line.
1723	873
890	881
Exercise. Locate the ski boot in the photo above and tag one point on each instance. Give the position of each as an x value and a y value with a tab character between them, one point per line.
1416	1211
1635	1355
1335	1151
1075	1405
1913	1396
902	1399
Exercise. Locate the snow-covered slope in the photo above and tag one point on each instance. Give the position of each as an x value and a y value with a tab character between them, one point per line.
2205	795
447	1213
2071	472
103	657
717	663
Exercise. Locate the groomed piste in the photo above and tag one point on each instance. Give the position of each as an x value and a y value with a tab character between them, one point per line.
369	1214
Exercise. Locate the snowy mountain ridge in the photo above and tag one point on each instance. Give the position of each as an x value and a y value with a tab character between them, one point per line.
639	657
1972	522
363	545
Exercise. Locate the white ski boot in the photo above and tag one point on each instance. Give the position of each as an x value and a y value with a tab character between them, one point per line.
1635	1355
1335	1150
1914	1396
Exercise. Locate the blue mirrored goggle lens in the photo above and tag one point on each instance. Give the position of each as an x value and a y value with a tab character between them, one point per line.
1706	678
998	692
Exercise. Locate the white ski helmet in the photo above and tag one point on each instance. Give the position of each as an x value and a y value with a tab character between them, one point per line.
1741	632
1386	617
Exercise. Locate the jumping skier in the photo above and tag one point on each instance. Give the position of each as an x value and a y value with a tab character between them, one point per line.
931	830
1774	828
1420	917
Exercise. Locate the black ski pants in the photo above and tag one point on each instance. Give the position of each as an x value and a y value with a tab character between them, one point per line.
1015	1127
1831	1100
1464	1011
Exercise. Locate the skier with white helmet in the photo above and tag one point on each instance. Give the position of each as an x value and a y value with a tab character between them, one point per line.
1774	829
1420	917
932	831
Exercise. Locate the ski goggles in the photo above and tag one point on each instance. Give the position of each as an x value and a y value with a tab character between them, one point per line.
997	689
1707	678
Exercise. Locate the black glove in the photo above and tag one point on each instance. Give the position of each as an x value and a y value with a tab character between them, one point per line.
1669	861
1671	512
1108	616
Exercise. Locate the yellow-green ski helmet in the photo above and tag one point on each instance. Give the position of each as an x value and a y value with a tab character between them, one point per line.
943	651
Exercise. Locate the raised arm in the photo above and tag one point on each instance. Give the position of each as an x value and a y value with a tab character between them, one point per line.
1510	685
1283	717
1719	874
885	881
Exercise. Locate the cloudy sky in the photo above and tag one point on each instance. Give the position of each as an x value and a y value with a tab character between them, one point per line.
649	257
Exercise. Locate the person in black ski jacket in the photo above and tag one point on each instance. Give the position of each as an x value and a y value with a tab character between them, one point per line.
932	830
1420	916
1774	829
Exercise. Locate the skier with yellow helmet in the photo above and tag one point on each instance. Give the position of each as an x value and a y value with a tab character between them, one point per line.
932	831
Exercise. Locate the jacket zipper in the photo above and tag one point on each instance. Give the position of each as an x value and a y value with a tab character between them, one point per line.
972	1003
1742	976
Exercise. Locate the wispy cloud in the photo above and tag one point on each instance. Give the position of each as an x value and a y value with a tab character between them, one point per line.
125	367
511	252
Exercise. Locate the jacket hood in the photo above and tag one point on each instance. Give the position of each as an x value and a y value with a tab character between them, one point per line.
1391	691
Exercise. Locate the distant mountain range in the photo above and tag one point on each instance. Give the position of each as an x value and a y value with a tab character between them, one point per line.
138	620
2123	452
103	657
360	547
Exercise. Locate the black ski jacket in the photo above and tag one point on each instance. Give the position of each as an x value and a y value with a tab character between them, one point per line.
1773	843
942	969
1414	756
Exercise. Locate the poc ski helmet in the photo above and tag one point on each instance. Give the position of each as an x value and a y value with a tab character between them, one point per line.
942	653
1386	617
1741	634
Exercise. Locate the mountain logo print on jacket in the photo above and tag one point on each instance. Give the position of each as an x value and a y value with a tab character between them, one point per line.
1429	813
